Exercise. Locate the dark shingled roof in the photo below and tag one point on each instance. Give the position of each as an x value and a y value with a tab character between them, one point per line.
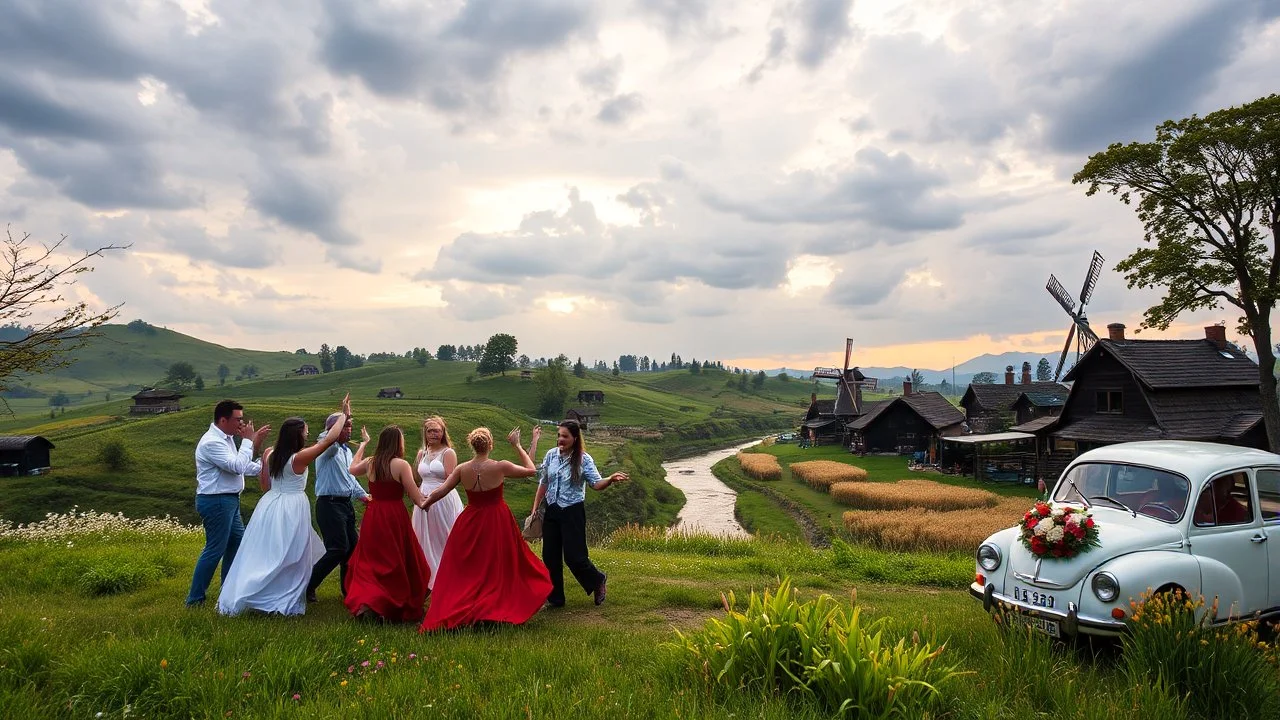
153	393
817	423
992	396
1035	425
1200	414
934	408
1176	363
1046	399
583	412
870	412
19	442
825	407
1109	429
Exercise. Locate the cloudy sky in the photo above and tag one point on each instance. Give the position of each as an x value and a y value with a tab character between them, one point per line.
748	181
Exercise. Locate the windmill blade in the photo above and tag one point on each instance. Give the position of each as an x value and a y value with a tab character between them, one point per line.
1066	348
1087	333
1060	294
1091	279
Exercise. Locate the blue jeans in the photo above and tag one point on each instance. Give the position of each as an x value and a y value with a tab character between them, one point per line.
223	529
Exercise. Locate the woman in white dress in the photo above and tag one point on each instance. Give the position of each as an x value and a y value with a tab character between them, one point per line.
436	460
279	547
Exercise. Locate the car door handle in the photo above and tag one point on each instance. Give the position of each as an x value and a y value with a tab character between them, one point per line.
1259	538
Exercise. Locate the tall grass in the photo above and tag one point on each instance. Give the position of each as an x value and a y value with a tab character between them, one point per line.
924	494
760	466
822	474
660	540
916	529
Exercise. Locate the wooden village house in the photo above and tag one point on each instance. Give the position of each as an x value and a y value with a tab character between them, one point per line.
24	455
390	392
914	422
590	397
307	370
992	407
827	421
583	416
152	401
1125	390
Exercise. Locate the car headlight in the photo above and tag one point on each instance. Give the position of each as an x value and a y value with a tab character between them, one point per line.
1105	586
988	557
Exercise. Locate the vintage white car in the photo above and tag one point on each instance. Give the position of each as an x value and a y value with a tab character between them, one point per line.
1169	514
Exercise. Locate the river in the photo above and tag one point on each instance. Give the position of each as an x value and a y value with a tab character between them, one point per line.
708	503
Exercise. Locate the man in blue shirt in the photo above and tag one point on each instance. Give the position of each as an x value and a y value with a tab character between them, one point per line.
336	516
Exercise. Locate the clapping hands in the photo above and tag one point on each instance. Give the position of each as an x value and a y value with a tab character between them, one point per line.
364	434
513	437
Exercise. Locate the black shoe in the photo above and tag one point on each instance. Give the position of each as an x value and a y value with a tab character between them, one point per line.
602	589
311	596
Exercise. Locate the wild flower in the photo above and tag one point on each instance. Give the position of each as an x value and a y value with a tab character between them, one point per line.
63	527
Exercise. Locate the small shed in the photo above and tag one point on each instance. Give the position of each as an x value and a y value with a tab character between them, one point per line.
583	416
390	392
307	370
152	401
526	374
590	397
24	455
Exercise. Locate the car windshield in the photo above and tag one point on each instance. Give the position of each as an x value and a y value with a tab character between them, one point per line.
1147	491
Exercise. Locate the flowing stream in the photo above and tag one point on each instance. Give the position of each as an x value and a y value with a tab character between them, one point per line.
708	502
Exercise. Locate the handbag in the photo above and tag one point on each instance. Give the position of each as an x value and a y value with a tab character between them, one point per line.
533	524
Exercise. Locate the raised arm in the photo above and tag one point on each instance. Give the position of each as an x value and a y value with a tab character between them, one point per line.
534	436
222	456
592	474
359	463
264	475
306	455
526	468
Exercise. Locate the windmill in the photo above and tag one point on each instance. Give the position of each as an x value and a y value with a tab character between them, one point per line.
1079	329
850	382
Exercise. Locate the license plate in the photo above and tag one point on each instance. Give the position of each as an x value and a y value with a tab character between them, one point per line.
1044	625
1034	597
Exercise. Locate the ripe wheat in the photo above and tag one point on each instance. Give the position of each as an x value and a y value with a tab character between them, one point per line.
760	466
822	474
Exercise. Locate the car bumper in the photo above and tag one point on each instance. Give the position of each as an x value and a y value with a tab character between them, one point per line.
1071	622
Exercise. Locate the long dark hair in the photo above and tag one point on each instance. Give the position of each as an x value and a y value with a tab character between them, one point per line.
575	453
390	447
291	440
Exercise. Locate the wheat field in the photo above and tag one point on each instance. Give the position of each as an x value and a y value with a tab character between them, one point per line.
822	474
760	466
917	529
904	494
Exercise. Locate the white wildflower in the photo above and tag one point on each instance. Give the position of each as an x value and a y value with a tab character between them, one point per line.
1044	526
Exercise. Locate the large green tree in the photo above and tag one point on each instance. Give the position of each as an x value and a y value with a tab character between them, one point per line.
1044	371
498	356
1208	196
32	279
552	388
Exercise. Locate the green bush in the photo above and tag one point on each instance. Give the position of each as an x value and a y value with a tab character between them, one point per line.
819	650
115	454
112	576
1222	671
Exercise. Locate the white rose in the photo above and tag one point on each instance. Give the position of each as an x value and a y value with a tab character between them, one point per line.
1057	512
1044	526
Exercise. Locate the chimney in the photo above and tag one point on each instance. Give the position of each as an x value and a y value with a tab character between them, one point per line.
906	387
1216	334
1026	373
813	398
1115	332
1008	374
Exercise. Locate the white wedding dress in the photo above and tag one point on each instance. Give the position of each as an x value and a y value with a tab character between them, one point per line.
273	566
433	526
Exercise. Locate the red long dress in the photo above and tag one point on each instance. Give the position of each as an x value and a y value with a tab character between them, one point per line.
387	572
487	572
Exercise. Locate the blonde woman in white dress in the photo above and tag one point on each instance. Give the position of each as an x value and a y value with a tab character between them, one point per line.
436	460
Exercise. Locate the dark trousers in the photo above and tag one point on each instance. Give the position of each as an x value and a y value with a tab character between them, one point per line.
564	539
337	520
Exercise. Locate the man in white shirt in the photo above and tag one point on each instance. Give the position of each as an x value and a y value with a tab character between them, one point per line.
220	471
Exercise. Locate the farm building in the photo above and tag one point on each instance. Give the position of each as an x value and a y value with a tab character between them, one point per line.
913	422
526	374
820	422
590	397
24	455
307	370
583	416
153	401
390	392
990	407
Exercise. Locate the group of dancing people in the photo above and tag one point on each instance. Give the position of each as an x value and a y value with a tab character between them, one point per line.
472	563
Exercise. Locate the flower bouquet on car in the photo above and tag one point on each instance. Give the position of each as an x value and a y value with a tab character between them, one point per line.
1058	531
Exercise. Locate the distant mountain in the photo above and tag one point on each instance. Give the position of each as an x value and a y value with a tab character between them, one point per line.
963	373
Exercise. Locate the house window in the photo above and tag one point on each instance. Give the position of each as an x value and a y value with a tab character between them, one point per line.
1110	401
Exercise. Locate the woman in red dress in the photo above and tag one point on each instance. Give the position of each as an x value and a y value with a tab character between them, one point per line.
387	575
487	572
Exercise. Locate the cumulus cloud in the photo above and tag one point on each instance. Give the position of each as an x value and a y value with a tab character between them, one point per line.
620	108
302	203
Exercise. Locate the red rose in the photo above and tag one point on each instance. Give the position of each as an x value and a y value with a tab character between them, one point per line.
1043	509
1088	522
